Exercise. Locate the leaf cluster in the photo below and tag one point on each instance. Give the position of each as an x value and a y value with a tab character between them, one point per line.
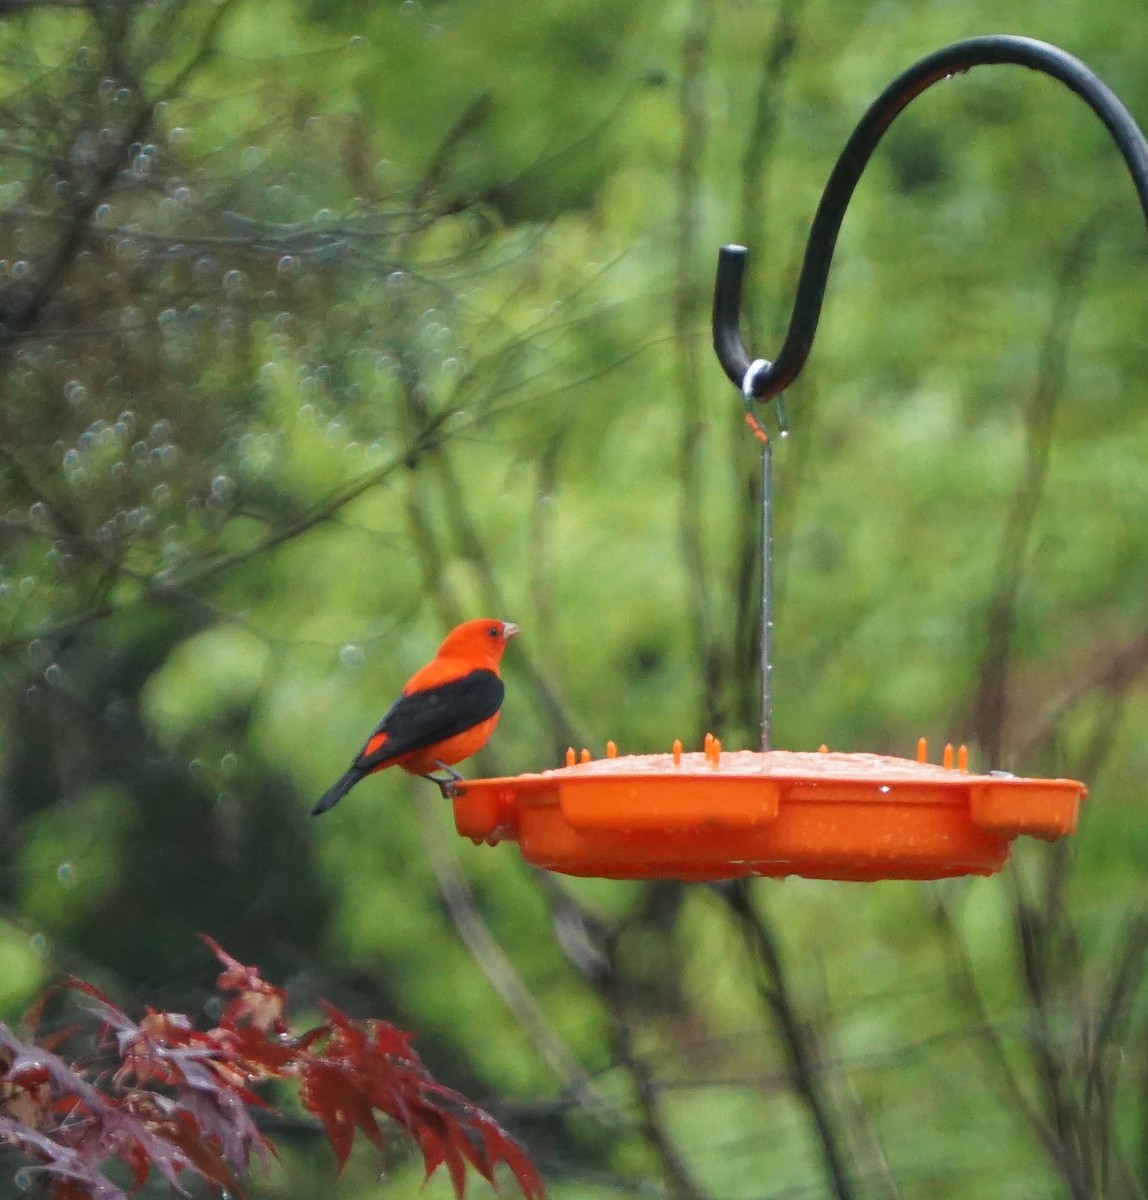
161	1096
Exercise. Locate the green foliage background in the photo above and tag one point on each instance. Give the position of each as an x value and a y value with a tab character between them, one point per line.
391	315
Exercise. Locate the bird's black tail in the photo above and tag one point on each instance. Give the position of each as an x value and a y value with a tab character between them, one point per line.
337	791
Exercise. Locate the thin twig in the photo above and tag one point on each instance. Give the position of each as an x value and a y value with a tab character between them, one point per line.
798	1039
779	54
494	963
687	308
964	986
990	701
679	1177
1034	958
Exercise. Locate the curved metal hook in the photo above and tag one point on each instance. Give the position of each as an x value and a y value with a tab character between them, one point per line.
767	380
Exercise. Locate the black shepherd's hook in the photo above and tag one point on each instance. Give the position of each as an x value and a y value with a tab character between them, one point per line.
761	380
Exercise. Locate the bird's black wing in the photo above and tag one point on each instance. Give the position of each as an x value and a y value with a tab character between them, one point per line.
419	719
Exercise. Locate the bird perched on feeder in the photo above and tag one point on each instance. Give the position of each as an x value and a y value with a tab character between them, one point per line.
444	714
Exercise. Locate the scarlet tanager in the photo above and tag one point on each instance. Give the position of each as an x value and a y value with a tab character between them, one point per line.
444	714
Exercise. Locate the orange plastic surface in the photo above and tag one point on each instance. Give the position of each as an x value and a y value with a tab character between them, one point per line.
717	815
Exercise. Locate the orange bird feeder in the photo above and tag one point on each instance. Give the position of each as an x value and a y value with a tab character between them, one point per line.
717	814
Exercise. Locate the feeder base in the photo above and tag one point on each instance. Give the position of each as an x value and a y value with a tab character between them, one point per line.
722	815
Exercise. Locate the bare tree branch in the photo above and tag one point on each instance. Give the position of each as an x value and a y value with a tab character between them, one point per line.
990	700
687	308
964	985
778	56
797	1036
494	963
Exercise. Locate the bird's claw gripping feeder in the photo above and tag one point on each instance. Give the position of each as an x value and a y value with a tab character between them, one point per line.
715	814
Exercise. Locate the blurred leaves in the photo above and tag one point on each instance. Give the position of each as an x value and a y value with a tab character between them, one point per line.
163	1097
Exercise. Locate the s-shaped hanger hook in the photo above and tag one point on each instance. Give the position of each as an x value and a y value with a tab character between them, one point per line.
762	380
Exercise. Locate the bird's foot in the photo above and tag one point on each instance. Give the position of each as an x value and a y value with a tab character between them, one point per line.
448	786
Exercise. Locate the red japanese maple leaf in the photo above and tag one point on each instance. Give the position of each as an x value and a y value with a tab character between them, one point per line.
162	1095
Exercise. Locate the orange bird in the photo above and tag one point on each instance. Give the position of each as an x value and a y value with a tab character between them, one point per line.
444	714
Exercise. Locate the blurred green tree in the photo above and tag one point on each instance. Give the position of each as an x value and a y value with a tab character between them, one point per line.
325	326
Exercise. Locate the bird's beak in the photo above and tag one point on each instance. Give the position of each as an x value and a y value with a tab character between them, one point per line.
509	630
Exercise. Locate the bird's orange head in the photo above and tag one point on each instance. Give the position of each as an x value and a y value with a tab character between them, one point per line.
479	641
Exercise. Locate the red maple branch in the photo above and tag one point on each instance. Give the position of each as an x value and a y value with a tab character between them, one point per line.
163	1096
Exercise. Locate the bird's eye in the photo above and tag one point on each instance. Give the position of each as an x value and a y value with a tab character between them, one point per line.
494	631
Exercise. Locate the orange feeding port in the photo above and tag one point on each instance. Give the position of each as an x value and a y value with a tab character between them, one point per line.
720	814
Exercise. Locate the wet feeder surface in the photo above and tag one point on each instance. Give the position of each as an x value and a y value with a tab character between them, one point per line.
717	814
